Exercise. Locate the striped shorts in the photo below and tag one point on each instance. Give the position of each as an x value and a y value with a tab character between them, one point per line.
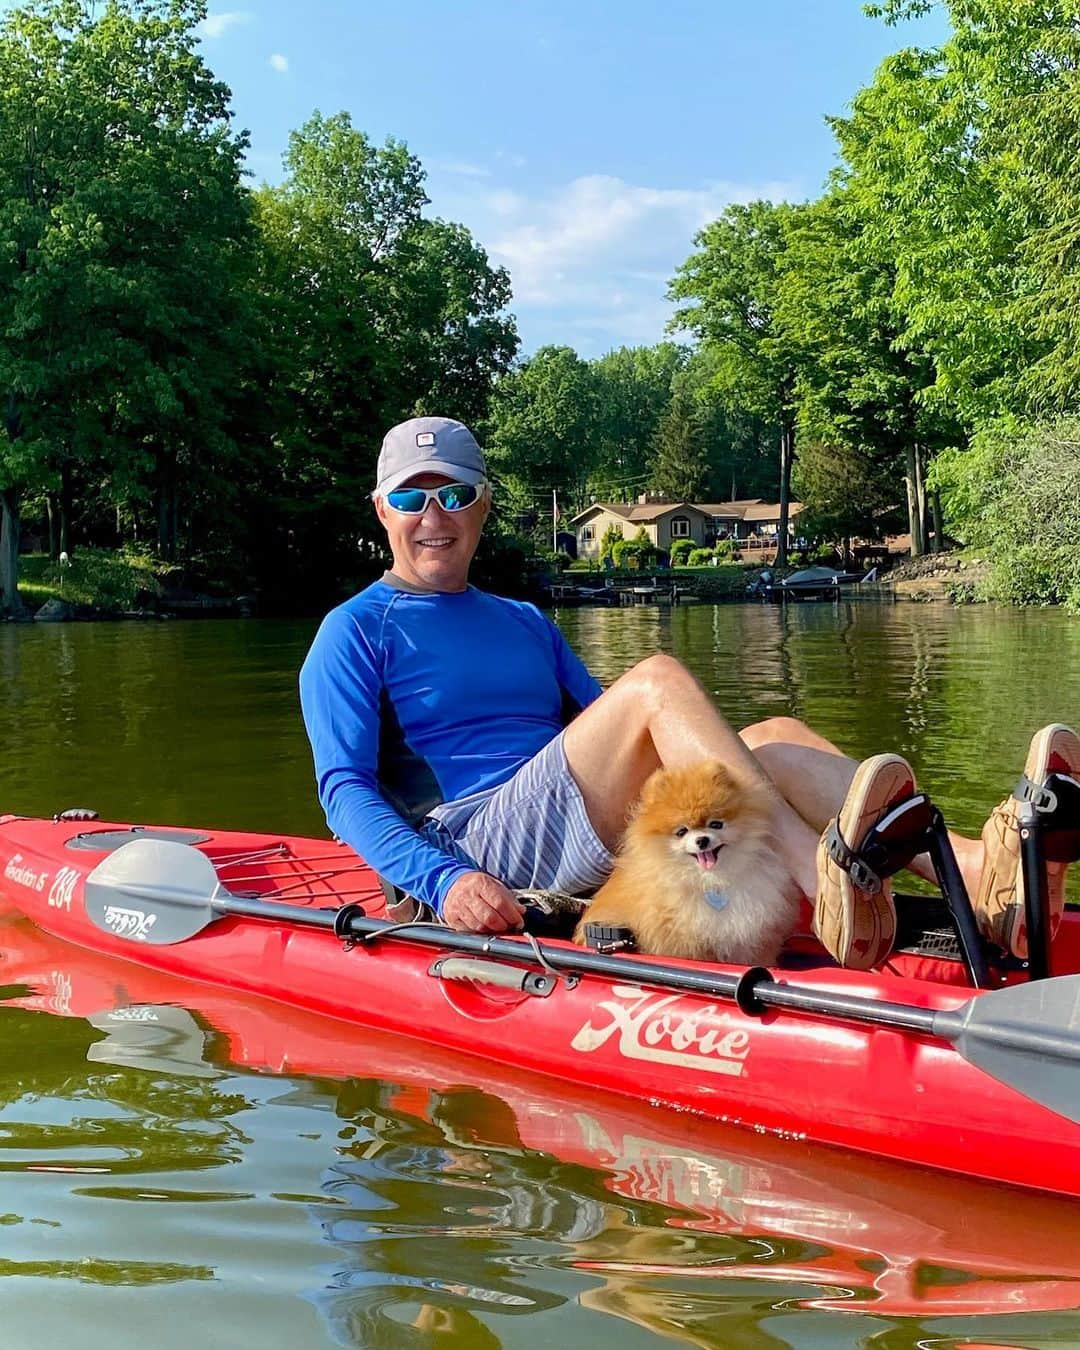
531	832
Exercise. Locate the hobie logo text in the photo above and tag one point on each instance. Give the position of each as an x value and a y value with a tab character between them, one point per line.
654	1027
129	923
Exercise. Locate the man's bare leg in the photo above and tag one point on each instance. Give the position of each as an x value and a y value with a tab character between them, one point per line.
657	714
814	776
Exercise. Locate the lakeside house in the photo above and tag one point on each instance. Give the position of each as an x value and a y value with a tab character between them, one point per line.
750	523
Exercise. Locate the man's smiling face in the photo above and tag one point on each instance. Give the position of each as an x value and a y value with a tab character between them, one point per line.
435	548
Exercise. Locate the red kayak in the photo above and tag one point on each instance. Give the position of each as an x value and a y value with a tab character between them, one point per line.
907	1063
869	1236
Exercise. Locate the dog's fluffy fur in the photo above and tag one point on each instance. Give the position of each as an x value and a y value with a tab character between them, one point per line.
696	833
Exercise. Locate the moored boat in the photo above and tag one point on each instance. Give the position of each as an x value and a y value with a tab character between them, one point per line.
907	1062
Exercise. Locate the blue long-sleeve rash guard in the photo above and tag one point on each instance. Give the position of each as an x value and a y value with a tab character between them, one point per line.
413	698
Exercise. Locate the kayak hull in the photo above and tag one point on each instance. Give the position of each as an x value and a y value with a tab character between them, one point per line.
869	1235
872	1089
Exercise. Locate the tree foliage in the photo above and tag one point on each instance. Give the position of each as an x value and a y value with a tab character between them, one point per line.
1015	497
679	468
183	358
633	388
123	230
188	361
729	288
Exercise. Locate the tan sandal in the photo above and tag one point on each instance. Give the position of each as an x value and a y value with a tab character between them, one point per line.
854	915
999	905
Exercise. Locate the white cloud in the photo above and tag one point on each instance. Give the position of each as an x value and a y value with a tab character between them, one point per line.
606	222
460	167
215	25
590	261
280	63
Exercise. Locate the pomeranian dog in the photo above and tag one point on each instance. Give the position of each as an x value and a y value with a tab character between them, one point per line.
698	875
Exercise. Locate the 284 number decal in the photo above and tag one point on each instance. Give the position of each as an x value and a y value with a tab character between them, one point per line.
60	891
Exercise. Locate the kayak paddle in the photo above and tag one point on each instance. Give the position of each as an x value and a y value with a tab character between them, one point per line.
1026	1035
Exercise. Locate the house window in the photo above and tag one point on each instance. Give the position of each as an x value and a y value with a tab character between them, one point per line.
680	528
586	534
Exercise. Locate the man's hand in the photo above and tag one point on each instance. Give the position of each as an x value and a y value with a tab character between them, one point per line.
477	903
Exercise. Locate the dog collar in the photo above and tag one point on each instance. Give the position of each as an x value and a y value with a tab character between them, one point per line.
716	899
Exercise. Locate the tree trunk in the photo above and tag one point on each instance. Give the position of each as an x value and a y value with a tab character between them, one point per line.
54	535
923	499
167	507
787	459
914	503
65	507
9	552
939	525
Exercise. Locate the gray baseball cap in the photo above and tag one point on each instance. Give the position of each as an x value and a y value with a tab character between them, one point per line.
428	445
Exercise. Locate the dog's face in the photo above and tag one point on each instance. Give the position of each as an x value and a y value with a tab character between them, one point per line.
695	815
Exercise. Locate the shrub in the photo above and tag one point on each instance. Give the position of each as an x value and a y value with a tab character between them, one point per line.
724	550
1015	496
680	552
637	553
611	537
701	557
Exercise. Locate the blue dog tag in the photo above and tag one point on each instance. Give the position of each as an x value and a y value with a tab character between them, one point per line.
717	899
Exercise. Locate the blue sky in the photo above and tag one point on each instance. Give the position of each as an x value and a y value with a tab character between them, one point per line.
582	142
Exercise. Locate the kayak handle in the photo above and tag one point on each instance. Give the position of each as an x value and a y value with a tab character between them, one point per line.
538	983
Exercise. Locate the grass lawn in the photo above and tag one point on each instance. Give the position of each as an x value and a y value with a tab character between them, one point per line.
95	577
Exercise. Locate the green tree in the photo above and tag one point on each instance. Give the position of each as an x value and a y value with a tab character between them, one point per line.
847	494
373	314
741	445
1015	495
609	539
453	336
956	155
632	388
729	289
679	468
122	221
860	390
540	433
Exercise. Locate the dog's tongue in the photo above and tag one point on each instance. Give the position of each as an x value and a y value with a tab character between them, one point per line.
707	858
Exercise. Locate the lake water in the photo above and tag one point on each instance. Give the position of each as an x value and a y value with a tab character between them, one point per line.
241	1175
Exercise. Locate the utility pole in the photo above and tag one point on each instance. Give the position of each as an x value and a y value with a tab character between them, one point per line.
554	521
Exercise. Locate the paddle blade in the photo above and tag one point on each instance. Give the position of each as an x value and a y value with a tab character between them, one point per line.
1028	1036
155	1037
153	891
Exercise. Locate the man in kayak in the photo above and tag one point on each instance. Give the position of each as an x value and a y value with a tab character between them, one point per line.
465	752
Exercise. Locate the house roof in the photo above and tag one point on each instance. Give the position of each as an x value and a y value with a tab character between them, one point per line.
770	511
735	510
746	508
640	513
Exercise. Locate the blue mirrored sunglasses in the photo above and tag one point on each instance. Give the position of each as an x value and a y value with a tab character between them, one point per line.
413	501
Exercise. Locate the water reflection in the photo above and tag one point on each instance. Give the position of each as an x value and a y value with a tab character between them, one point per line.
183	1130
286	1181
959	691
198	723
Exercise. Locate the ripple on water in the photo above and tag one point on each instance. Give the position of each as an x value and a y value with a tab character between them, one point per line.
408	1206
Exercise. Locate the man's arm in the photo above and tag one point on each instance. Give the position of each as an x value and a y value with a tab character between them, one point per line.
339	694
